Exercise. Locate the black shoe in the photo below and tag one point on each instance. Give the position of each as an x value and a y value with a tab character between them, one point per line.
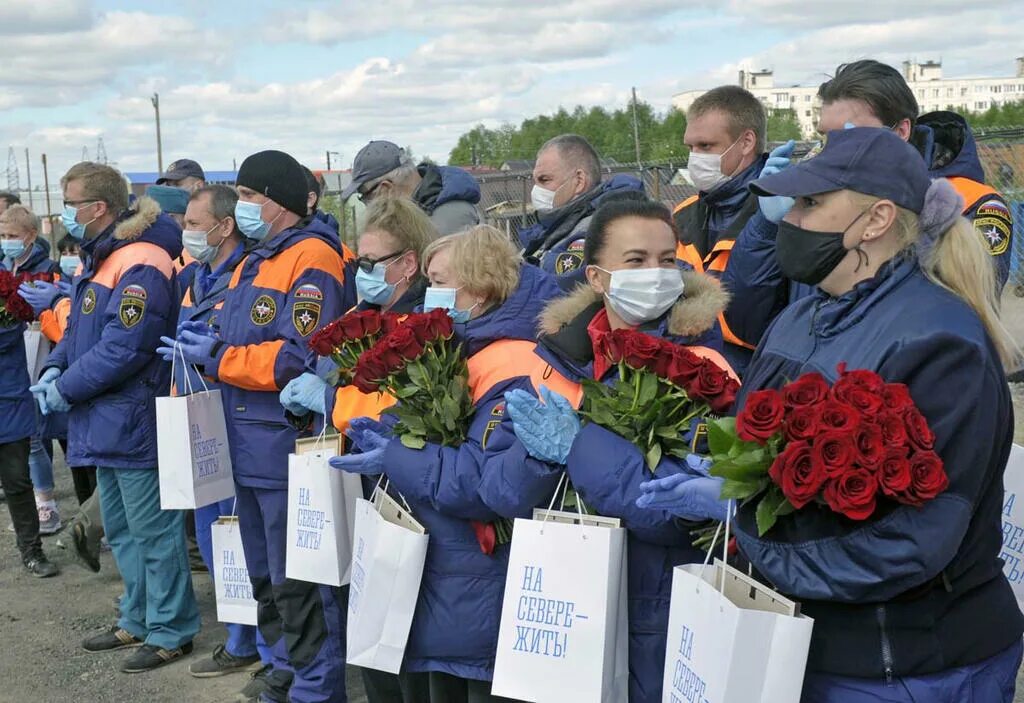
220	663
257	684
108	640
89	554
149	657
39	566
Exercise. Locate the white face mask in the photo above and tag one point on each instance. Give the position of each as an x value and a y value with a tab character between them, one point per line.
642	295
543	200
706	169
195	243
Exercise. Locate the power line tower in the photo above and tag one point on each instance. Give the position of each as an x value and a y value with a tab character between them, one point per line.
13	184
101	152
85	153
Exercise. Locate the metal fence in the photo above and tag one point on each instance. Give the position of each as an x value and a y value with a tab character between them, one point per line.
1002	155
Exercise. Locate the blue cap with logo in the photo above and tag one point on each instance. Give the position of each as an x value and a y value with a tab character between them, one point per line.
868	160
182	168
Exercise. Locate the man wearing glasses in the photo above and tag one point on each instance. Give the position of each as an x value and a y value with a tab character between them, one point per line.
447	194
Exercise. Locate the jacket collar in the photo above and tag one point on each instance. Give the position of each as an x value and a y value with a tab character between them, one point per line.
832	316
733	193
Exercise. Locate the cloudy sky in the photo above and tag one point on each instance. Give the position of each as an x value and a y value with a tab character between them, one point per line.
307	76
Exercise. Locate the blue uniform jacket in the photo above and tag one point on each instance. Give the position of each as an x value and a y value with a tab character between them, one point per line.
606	470
16	403
911	591
284	289
124	300
455	628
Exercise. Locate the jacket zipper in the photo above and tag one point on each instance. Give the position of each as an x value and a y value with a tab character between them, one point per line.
886	645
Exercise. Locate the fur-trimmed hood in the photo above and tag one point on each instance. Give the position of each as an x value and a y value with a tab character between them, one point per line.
143	222
695	313
141	218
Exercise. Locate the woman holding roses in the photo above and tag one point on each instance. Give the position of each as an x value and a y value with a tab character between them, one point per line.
494	300
633	281
909	604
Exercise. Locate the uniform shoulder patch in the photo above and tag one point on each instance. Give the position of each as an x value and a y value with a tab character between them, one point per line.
88	301
308	292
305	316
133	305
993	221
568	261
263	311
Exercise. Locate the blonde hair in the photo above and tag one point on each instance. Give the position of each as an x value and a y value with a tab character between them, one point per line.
21	217
483	259
99	182
404	221
960	263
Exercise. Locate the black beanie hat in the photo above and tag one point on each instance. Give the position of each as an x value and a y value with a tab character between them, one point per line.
278	176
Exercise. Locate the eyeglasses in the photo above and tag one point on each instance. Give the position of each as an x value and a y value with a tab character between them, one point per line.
79	203
367	195
367	264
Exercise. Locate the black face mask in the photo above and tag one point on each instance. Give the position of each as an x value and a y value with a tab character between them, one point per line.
809	257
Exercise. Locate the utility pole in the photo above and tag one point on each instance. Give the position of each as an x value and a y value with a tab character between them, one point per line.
335	153
28	175
636	130
159	145
46	186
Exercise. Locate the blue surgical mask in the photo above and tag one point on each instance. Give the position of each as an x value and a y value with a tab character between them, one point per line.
195	244
249	220
69	264
372	287
68	218
438	297
12	248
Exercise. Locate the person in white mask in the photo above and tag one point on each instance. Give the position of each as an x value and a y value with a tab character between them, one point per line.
567	189
725	132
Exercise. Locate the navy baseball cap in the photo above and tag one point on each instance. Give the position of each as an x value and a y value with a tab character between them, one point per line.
373	161
869	160
182	168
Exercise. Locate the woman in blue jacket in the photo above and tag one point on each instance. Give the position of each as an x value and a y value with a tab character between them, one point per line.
912	604
633	281
494	300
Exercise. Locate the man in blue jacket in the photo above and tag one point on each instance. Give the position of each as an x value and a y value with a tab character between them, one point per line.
567	190
446	193
105	373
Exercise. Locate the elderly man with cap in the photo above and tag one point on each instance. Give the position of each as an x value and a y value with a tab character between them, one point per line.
292	279
183	173
448	194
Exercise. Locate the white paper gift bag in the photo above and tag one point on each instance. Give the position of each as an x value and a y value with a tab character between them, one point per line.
321	514
37	349
563	633
387	567
232	587
732	639
1013	521
192	450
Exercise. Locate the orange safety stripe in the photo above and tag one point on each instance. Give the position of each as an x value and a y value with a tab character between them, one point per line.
350	402
513	358
688	253
281	272
54	322
182	261
244	366
135	254
971	191
685	204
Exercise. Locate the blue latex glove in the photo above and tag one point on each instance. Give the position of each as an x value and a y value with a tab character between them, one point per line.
53	401
64	286
39	294
684	495
196	348
358	425
370	461
48	377
197	326
775	207
304	393
547	430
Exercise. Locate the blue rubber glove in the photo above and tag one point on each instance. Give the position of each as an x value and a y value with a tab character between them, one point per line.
684	495
196	348
358	425
39	294
53	401
547	430
197	326
775	207
371	461
304	393
64	286
48	377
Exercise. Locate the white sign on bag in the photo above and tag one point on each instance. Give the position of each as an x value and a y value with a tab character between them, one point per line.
232	587
1012	553
37	349
192	451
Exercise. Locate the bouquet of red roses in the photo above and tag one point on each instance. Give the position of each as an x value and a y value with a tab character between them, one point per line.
846	447
419	363
345	339
13	308
662	389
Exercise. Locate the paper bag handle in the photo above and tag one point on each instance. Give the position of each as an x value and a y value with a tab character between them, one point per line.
725	545
188	380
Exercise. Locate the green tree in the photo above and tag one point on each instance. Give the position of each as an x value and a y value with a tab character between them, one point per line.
783	125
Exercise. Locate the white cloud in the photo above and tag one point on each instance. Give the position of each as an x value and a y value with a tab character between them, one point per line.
33	16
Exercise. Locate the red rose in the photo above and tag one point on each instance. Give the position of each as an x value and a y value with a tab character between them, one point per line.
836	415
609	345
927	478
322	341
724	401
809	389
870	445
894	431
801	423
390	321
357	325
709	382
404	342
421	326
918	432
795	472
370	370
640	350
835	451
8	283
441	325
894	473
19	309
862	378
761	416
896	396
853	494
865	401
683	366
